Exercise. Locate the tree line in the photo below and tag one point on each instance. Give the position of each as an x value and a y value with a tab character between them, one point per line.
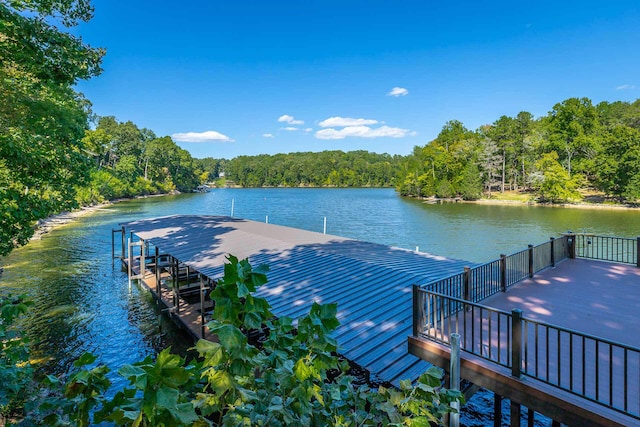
577	145
128	161
324	169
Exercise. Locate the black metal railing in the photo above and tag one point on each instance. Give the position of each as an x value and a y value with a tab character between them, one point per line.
597	369
480	282
604	248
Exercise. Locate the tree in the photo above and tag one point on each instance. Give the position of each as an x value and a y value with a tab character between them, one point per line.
42	119
504	133
556	186
573	129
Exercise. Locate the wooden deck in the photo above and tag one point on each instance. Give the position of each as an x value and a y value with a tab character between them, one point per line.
594	297
591	298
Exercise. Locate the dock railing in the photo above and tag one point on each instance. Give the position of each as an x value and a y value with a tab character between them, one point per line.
606	248
480	282
597	369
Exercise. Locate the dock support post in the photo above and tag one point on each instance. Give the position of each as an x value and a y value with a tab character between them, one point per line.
143	258
174	268
233	203
113	248
454	377
419	314
503	272
202	331
130	257
123	242
497	410
553	252
324	229
157	273
638	252
515	414
516	342
530	417
530	260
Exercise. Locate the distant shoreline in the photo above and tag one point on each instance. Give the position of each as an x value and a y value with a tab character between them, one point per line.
582	205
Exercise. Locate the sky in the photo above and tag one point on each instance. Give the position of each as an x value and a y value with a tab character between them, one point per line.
234	77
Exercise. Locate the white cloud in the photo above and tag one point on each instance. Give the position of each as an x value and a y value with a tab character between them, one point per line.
206	136
345	121
363	132
398	91
626	87
290	128
267	135
290	119
308	130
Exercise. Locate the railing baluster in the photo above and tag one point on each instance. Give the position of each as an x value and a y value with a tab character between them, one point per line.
597	370
610	374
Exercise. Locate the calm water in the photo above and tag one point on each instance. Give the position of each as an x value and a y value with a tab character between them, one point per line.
83	304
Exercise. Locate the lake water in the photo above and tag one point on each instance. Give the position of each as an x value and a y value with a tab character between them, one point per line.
84	304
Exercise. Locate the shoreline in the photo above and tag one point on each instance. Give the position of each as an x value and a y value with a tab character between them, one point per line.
552	205
46	225
507	202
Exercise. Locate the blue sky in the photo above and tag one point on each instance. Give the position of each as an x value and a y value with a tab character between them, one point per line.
227	78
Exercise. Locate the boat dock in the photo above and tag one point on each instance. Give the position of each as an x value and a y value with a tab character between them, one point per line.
554	328
178	258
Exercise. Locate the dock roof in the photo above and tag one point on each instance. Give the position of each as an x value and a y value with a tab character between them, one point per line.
370	282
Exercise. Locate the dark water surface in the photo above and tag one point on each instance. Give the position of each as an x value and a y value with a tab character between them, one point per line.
84	304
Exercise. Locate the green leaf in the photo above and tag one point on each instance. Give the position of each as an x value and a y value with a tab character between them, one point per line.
231	338
167	397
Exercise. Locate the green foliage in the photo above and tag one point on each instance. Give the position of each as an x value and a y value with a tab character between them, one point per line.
556	186
42	119
324	169
15	369
292	377
596	145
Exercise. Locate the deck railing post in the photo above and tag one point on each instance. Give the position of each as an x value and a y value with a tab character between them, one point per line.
553	252
530	260
454	377
466	291
638	252
571	241
516	342
503	272
419	310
